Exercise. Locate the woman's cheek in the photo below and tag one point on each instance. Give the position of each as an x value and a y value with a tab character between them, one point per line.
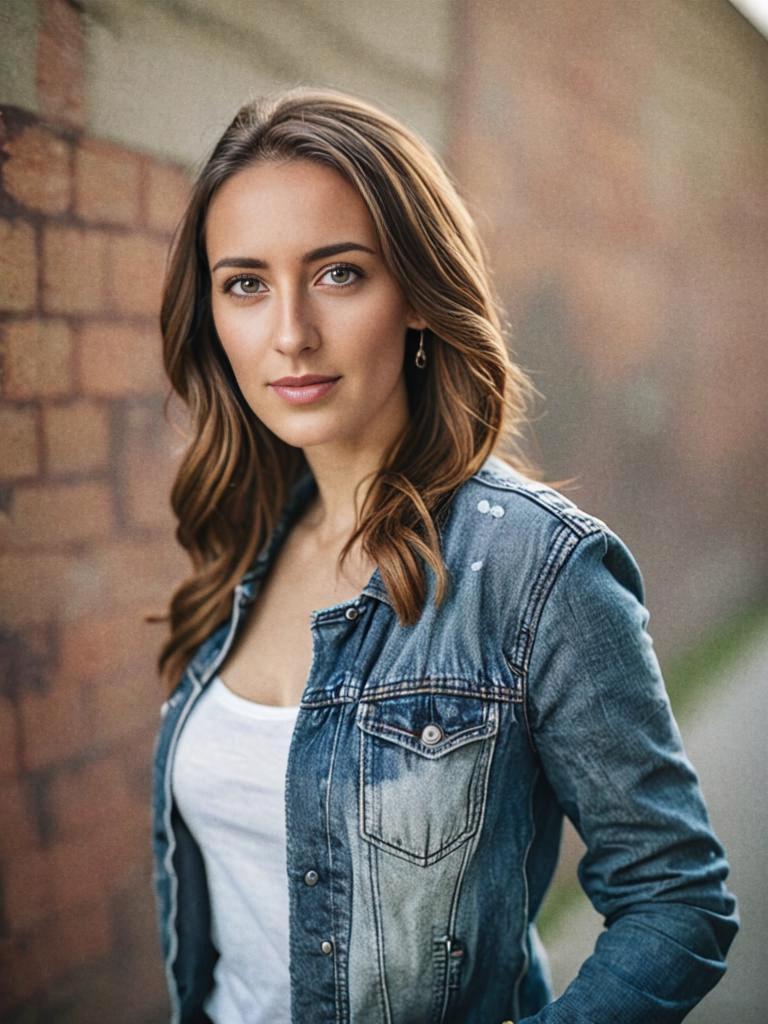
239	340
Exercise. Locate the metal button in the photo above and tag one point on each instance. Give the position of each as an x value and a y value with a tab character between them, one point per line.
351	614
431	734
327	947
311	878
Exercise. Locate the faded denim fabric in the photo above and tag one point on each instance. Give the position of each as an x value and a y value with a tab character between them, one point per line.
427	778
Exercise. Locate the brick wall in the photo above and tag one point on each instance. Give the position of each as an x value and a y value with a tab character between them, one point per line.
616	157
86	549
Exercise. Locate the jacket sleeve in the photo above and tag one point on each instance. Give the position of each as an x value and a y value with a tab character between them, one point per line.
601	721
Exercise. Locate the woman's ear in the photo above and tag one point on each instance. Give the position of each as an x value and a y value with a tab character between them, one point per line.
415	321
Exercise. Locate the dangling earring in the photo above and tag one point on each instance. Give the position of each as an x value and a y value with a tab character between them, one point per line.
421	355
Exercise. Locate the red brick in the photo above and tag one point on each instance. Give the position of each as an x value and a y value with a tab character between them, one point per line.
102	645
17	813
76	939
27	889
66	958
107	183
149	467
138	930
116	360
41	883
52	727
61	63
8	739
22	974
18	266
74	269
84	798
167	192
38	358
35	588
76	437
148	481
25	655
136	271
125	705
95	866
50	514
93	993
19	455
37	172
40	959
135	573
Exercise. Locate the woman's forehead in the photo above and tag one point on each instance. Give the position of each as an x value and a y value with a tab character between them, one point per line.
298	197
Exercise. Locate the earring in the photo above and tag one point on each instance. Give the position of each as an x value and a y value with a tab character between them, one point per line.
421	355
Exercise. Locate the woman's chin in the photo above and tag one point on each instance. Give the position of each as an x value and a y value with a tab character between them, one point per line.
310	436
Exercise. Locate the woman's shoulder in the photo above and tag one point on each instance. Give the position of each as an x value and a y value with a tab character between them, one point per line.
529	529
518	502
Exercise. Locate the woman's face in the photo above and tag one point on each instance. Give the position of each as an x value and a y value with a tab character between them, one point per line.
286	306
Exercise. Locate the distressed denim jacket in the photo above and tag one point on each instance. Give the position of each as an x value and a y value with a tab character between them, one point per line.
428	774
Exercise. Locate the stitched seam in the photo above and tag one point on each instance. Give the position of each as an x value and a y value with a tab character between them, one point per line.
582	522
373	862
447	847
502	697
471	847
339	1009
526	905
564	545
439	975
434	678
411	741
395	689
436	855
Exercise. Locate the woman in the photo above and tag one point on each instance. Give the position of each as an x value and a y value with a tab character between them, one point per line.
358	821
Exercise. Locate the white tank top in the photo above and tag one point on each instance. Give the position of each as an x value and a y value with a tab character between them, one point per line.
229	785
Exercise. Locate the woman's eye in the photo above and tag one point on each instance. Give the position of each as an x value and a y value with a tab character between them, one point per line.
248	286
245	287
341	275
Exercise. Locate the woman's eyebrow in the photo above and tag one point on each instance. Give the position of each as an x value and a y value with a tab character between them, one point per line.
308	257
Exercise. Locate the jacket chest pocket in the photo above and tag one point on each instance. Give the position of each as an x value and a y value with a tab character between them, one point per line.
424	763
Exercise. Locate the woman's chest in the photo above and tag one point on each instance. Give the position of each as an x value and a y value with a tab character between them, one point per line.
271	658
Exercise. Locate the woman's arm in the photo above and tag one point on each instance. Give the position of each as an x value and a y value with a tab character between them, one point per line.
601	721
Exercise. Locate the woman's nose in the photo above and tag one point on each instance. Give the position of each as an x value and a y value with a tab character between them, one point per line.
294	329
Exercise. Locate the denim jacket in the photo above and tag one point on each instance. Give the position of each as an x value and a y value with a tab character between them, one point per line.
428	774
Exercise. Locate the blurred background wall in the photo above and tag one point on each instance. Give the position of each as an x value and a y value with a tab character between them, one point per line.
614	154
617	155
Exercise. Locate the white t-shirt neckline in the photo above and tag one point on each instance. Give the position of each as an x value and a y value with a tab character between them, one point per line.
242	705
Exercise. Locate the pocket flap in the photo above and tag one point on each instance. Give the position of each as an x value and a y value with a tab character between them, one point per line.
429	724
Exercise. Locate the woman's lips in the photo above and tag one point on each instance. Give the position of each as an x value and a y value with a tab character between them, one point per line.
305	393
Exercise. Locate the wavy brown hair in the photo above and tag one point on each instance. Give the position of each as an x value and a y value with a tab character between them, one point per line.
236	474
